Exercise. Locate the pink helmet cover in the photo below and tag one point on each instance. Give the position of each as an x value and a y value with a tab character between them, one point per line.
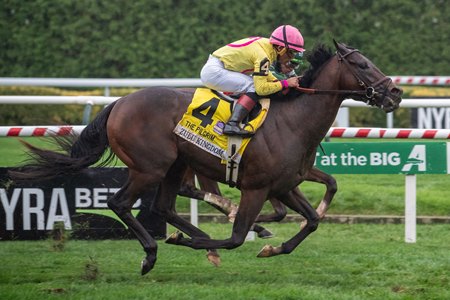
289	37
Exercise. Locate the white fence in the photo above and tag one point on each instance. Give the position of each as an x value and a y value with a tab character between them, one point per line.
88	101
103	100
176	82
106	83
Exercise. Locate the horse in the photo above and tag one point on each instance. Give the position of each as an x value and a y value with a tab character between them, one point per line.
210	193
138	129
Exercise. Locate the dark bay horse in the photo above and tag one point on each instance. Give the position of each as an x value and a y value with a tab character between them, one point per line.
138	128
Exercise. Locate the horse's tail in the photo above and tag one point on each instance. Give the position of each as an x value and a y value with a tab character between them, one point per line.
74	153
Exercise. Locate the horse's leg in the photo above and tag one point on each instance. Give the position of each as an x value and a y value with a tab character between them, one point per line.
222	204
251	204
165	206
121	203
317	175
213	196
278	214
209	192
297	202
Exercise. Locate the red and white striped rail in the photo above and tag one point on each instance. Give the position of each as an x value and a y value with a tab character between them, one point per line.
39	130
100	100
421	80
388	133
334	132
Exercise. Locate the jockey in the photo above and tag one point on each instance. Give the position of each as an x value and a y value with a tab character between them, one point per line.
242	67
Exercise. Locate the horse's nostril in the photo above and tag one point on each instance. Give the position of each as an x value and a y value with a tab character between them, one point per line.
397	91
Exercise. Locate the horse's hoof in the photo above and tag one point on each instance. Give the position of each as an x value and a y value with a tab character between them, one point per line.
147	266
266	251
213	258
265	234
174	238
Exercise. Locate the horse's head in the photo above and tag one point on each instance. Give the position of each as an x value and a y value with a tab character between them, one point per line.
362	75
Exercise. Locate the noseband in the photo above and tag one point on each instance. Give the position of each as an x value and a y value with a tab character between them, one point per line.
369	91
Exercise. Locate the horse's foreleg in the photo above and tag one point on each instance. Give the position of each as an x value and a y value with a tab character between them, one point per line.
317	175
165	205
213	196
223	205
209	192
249	208
297	202
175	220
220	203
278	214
121	203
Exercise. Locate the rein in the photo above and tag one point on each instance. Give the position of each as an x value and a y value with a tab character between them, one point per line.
366	93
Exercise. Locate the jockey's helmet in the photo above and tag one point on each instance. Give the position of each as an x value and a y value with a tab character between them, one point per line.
288	37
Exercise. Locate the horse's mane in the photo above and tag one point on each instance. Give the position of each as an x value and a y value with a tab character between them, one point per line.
316	58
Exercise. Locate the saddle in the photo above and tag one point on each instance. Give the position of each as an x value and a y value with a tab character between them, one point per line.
203	122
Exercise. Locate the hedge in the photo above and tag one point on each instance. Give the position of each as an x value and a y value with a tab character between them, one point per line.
172	38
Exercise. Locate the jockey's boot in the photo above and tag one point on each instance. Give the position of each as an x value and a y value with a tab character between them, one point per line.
244	105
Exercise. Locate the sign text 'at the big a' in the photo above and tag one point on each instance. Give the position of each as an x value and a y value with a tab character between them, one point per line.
383	158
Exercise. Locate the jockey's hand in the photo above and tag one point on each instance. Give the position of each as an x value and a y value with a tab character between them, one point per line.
293	82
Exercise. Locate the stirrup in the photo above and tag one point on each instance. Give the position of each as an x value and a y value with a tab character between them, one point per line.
236	131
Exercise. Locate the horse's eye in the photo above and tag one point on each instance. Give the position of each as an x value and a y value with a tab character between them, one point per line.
363	65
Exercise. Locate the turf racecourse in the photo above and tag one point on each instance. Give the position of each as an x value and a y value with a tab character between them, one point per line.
356	261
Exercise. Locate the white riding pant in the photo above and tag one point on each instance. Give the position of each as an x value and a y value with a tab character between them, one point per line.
216	77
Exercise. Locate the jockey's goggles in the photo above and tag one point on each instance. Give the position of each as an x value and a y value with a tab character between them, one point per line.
297	61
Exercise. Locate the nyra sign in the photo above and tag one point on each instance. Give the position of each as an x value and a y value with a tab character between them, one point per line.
30	210
33	208
431	117
384	158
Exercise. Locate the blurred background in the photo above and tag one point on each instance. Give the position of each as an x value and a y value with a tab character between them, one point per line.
169	38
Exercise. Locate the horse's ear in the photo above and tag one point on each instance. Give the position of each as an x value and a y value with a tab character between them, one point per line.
336	44
340	48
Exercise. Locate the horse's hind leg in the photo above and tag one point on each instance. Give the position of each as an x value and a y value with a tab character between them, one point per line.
121	203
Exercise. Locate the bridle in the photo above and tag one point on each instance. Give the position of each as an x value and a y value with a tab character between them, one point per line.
369	91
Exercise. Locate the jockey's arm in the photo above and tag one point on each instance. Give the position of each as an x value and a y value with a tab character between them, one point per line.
266	83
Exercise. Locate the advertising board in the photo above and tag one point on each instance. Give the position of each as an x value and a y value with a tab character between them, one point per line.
383	158
31	210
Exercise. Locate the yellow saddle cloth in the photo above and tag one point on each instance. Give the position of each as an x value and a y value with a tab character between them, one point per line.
203	122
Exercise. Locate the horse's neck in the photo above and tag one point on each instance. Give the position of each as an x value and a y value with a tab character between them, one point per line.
318	112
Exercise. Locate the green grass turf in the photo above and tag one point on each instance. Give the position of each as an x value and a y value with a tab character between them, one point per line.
338	261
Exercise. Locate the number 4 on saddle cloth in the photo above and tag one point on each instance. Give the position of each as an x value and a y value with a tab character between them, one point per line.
203	122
